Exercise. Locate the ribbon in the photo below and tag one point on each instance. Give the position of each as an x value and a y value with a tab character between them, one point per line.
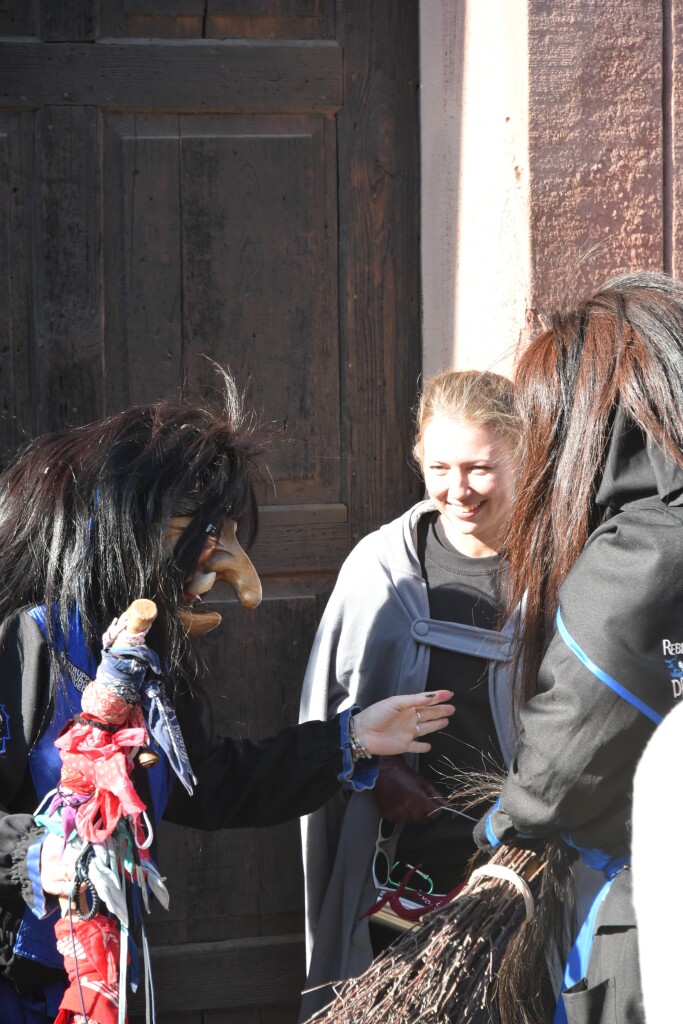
164	727
97	807
95	763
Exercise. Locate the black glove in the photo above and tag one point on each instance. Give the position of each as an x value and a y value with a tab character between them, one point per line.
480	836
403	795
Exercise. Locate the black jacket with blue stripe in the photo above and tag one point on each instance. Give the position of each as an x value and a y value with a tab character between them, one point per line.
614	666
612	670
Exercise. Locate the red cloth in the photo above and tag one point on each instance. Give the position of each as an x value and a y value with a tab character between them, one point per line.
94	761
93	948
100	702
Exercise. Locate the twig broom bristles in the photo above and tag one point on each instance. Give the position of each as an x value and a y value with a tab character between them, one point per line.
488	955
446	969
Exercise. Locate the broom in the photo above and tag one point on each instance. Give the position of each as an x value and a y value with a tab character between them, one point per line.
488	955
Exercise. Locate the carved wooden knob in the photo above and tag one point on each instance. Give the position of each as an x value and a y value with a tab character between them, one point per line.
141	614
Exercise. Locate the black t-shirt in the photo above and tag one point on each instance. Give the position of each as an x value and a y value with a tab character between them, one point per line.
466	590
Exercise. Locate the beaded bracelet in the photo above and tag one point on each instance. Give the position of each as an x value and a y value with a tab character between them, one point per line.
358	750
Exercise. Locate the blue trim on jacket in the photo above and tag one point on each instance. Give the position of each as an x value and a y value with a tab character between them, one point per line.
603	676
357	775
490	834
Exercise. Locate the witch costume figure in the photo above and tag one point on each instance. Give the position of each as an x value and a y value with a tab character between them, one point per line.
101	730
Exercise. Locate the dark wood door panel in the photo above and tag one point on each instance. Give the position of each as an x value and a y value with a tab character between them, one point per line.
219	19
232	970
67	345
221	237
19	18
57	20
197	75
154	19
245	882
297	540
51	273
17	165
235	179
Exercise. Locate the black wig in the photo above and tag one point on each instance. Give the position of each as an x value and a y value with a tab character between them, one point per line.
83	512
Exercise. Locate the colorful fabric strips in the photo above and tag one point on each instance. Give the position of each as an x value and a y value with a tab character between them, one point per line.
97	810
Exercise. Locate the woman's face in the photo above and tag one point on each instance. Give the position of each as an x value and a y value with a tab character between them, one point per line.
469	475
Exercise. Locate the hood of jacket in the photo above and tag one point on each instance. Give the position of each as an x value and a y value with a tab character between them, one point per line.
635	468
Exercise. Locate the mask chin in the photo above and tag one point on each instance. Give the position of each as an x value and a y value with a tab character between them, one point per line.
198	623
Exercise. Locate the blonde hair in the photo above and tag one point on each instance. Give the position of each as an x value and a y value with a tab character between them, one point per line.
477	397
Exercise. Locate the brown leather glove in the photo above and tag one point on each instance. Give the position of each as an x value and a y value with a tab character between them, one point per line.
403	795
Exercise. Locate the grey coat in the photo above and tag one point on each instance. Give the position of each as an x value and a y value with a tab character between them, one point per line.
374	641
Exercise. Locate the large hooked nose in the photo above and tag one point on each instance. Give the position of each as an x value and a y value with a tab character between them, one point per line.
232	564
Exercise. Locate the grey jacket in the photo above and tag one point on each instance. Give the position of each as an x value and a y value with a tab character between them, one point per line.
374	641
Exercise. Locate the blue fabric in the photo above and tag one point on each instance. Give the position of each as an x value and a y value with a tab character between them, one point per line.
363	774
613	684
490	834
44	761
36	940
43	903
576	966
33	1009
5	729
163	726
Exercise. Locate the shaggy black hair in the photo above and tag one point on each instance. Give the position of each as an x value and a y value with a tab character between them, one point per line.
83	512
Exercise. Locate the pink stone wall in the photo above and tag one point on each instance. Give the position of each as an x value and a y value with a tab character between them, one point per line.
601	169
600	175
673	131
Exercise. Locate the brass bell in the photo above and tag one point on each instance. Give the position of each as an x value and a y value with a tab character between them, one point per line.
147	758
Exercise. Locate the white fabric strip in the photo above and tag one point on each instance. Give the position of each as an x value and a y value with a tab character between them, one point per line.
508	875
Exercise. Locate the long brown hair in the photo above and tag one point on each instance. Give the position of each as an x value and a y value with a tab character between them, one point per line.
621	348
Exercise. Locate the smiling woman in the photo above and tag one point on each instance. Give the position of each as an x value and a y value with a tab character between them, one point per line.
469	475
153	502
417	604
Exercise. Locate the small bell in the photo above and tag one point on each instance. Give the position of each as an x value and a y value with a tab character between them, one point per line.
147	758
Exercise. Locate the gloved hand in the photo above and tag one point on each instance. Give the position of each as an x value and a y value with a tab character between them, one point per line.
480	837
510	838
403	795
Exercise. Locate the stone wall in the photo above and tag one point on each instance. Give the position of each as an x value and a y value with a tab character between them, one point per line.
562	124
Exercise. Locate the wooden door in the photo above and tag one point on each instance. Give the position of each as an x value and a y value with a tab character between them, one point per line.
234	179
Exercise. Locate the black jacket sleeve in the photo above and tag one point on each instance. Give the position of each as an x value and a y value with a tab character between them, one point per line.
582	736
24	711
244	783
24	705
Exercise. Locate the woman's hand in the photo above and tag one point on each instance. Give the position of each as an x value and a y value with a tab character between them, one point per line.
399	724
